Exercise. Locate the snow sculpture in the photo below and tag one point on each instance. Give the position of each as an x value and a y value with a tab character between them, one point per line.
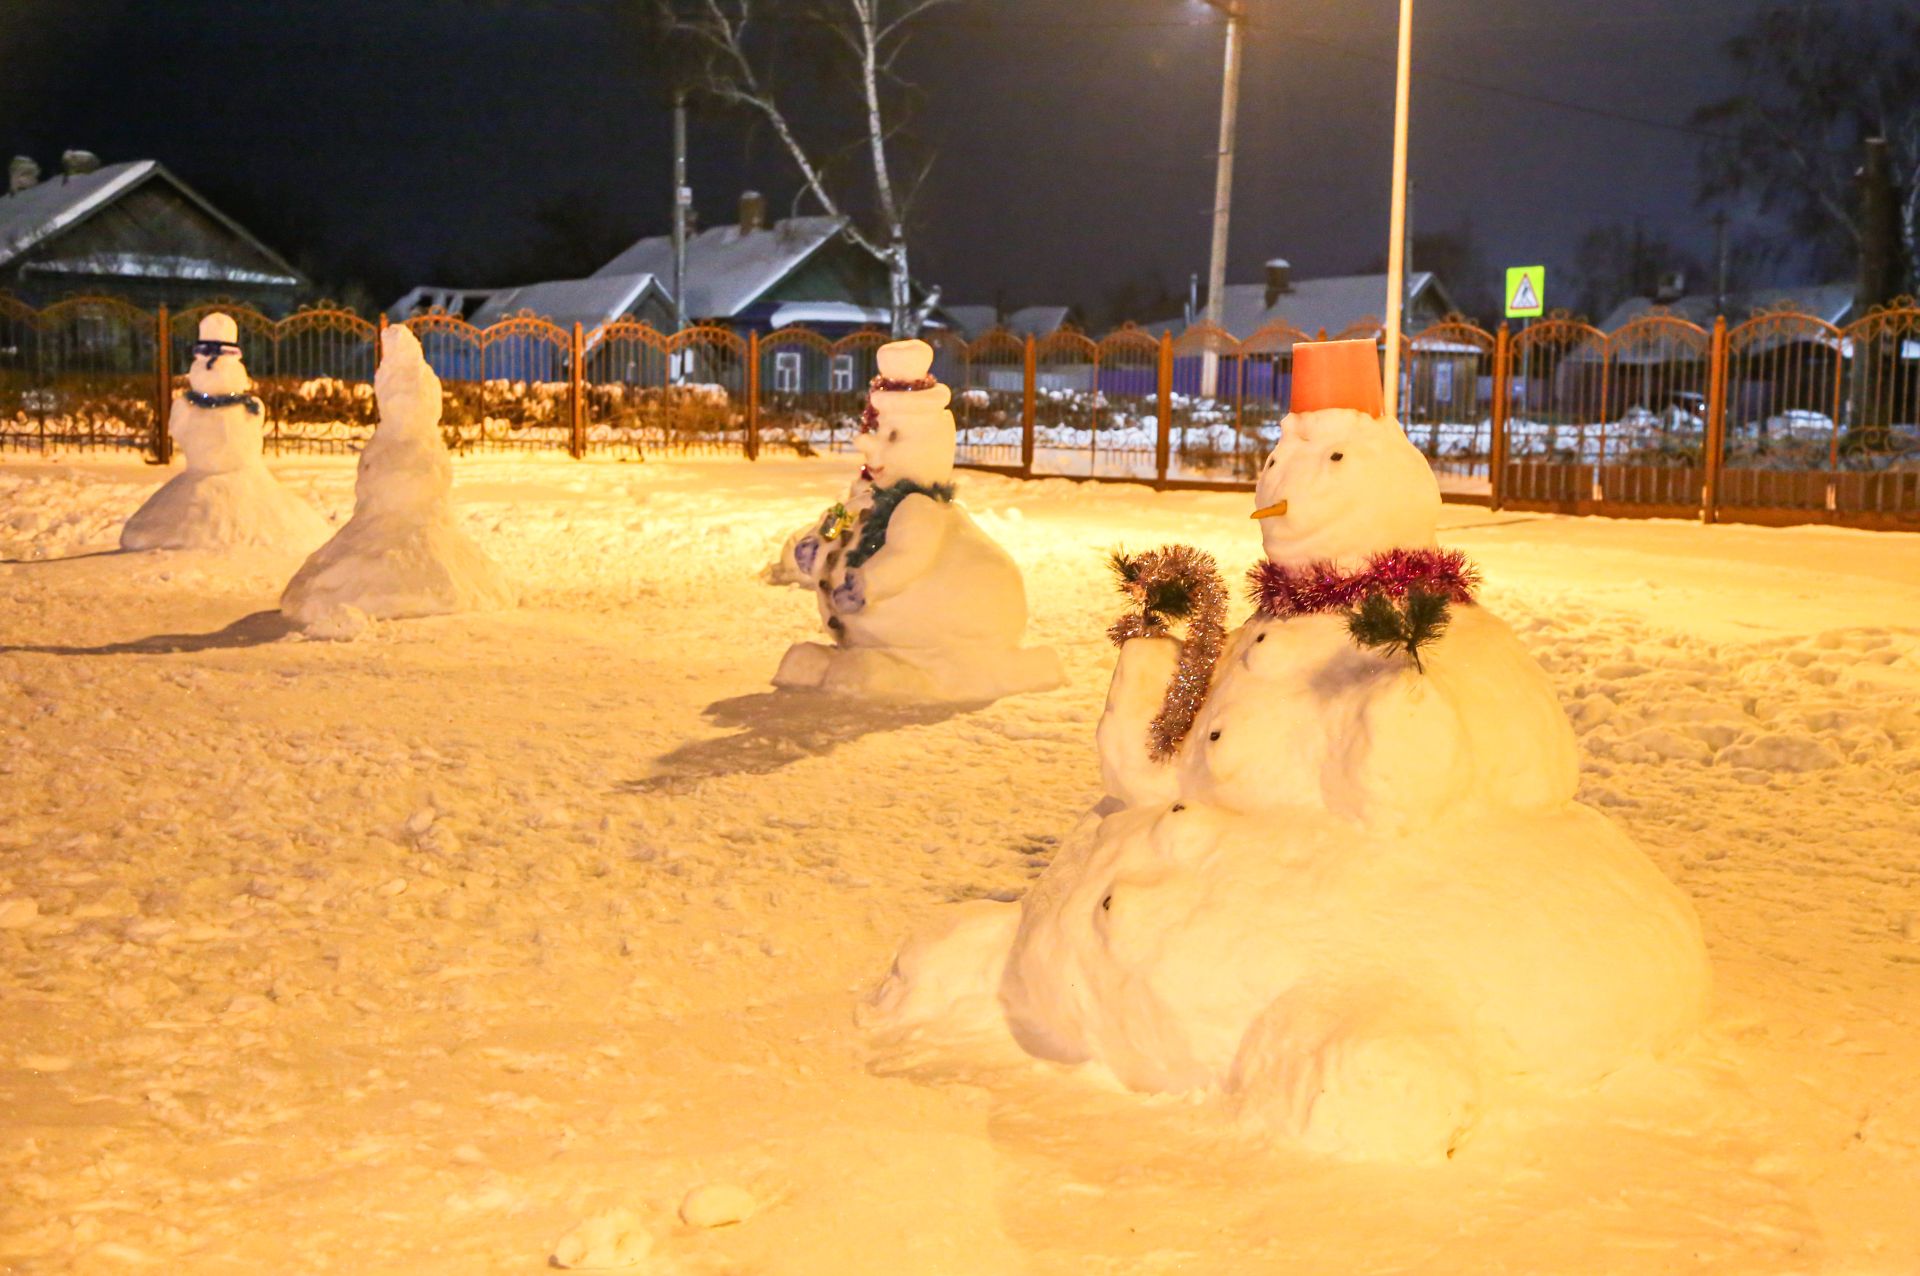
1356	896
401	554
226	498
922	605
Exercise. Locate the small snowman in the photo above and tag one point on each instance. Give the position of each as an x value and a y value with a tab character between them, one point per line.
921	604
226	498
1340	877
401	554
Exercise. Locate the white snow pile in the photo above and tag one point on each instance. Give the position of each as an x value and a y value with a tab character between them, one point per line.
226	498
1360	899
401	554
921	604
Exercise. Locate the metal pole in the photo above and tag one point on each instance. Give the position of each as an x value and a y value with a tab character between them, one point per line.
1397	227
1223	189
682	201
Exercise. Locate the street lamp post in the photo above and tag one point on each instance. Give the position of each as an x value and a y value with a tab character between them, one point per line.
1236	14
1397	219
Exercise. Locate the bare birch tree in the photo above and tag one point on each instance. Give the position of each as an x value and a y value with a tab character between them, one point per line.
736	43
1817	81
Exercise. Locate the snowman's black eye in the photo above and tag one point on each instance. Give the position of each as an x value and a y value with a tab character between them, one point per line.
1269	464
893	436
1338	456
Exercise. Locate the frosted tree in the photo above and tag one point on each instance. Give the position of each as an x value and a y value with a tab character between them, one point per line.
737	47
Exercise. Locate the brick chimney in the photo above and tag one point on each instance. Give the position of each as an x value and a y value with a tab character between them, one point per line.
753	212
22	173
1279	280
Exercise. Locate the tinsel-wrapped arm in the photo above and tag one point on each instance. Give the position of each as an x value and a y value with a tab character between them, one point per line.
914	537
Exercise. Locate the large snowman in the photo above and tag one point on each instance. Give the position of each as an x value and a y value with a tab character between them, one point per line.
226	498
1351	890
401	554
921	604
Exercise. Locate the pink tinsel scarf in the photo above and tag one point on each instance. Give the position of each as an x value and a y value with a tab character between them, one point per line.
1280	593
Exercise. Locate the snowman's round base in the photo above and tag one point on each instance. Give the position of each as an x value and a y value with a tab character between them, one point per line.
392	567
233	509
1359	993
919	674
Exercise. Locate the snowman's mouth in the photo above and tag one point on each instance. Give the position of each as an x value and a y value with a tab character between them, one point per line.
1274	510
872	472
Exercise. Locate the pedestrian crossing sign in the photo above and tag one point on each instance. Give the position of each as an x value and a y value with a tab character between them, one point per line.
1526	291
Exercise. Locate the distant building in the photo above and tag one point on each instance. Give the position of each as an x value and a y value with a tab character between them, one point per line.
590	302
1834	303
133	231
973	322
752	274
1331	305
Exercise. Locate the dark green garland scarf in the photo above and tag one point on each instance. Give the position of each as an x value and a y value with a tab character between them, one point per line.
873	534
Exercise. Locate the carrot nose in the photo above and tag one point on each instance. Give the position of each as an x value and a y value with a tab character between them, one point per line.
1274	510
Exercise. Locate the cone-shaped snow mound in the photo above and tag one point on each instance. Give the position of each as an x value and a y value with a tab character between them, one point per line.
226	498
401	554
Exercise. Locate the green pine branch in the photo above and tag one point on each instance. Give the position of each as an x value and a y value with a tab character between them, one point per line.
1380	624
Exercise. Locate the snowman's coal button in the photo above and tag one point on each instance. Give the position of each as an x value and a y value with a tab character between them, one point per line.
1107	903
1179	806
1213	735
1259	637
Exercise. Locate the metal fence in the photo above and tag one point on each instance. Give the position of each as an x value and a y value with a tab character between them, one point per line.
1778	418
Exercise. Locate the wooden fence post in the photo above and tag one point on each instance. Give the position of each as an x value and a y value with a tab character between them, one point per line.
162	386
1026	413
753	394
576	396
1163	446
1716	422
1497	429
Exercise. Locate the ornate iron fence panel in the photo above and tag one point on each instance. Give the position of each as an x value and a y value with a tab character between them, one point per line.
1207	402
1066	403
455	351
1780	405
1446	403
1557	379
526	378
989	404
23	394
625	388
799	407
1127	376
320	395
1652	447
1266	395
706	405
97	374
1878	448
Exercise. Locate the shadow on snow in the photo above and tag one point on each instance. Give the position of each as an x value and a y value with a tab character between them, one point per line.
777	728
257	630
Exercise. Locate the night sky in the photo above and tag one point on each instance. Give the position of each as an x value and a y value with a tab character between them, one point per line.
399	142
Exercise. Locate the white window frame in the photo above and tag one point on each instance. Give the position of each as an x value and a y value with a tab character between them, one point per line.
786	372
841	374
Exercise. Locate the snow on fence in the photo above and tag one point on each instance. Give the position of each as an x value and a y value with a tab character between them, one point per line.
1779	417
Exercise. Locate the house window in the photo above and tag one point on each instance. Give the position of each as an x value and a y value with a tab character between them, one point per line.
786	372
842	373
1443	382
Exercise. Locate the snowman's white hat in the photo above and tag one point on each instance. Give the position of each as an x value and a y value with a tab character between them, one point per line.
219	327
908	360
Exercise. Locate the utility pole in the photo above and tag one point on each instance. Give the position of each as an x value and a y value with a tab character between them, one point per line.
1406	275
1236	13
682	201
1397	215
1720	262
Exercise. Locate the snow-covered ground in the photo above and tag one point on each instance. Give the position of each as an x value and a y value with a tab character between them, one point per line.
413	953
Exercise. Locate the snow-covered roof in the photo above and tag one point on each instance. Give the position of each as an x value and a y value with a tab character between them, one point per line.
971	320
728	270
1334	303
588	302
792	312
1831	302
1036	321
156	266
455	301
37	214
